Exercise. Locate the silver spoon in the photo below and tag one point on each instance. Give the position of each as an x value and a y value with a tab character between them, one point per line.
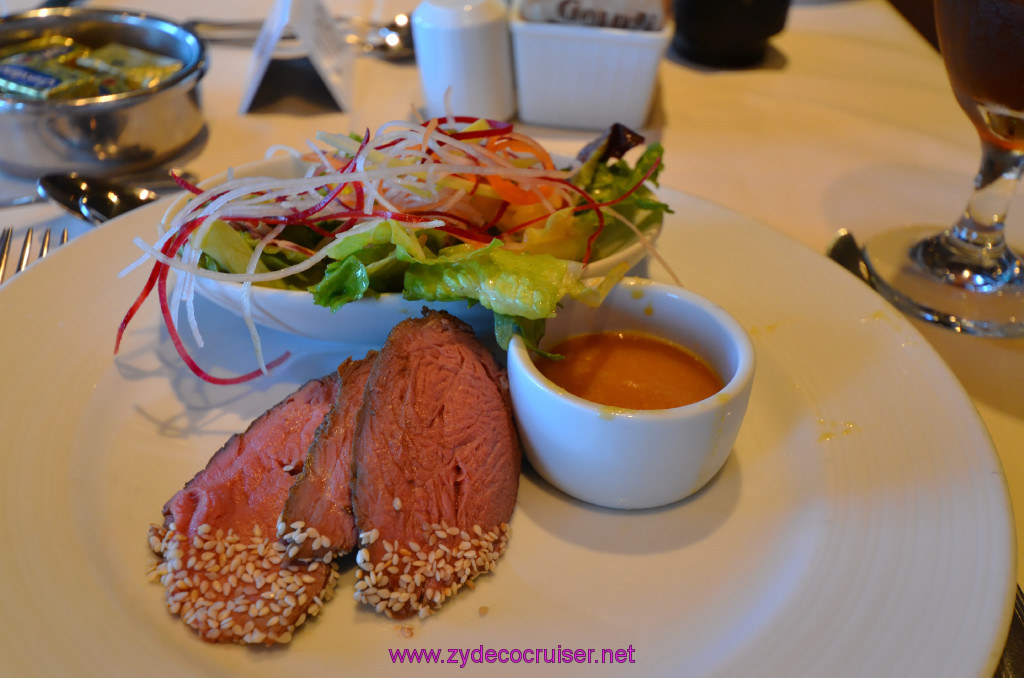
91	198
392	41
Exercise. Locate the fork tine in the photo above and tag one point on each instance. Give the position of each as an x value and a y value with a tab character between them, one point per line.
25	247
5	249
44	249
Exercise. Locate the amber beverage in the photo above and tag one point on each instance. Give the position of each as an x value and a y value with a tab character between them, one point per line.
982	43
964	276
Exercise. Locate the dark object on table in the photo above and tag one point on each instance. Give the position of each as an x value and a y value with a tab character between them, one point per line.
921	15
726	33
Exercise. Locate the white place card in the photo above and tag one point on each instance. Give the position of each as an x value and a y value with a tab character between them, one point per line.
317	33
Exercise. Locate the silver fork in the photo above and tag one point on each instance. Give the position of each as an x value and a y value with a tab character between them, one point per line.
26	248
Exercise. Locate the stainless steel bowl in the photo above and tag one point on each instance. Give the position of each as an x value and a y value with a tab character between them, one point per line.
103	135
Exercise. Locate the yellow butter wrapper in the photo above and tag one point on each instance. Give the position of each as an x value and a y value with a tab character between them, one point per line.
110	83
52	48
139	67
47	81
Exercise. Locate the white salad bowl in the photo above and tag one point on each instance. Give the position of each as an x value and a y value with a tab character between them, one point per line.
366	321
625	458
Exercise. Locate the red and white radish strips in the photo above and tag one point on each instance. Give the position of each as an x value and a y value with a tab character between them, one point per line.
459	175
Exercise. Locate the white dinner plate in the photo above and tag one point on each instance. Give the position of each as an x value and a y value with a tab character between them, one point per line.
861	526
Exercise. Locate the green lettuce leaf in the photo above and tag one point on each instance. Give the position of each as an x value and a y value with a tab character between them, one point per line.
229	251
562	234
505	326
372	261
607	182
566	232
509	283
343	281
514	284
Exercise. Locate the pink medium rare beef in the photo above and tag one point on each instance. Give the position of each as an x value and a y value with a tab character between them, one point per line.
222	567
436	467
317	520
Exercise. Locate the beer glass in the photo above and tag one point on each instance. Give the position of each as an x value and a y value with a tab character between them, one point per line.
966	277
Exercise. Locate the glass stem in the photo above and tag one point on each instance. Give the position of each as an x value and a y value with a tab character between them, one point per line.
979	234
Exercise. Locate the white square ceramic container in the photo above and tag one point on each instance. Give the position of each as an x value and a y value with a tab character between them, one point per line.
584	76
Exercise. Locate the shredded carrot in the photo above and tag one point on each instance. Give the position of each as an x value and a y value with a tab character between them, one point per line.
509	190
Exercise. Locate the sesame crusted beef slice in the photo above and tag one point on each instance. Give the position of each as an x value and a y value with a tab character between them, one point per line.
222	567
317	520
436	461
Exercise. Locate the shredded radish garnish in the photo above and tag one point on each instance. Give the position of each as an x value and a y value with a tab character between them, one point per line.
250	269
473	181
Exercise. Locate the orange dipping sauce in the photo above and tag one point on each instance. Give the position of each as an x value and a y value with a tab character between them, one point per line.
631	370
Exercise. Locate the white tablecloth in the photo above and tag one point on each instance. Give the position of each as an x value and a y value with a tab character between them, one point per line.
850	123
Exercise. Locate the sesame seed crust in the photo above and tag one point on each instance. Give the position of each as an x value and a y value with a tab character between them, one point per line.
234	589
416	578
303	542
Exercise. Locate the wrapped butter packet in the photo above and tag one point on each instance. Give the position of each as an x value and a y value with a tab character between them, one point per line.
51	48
638	15
138	67
112	83
46	80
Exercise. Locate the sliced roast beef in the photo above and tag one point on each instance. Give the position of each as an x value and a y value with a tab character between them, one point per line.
436	467
223	568
317	520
